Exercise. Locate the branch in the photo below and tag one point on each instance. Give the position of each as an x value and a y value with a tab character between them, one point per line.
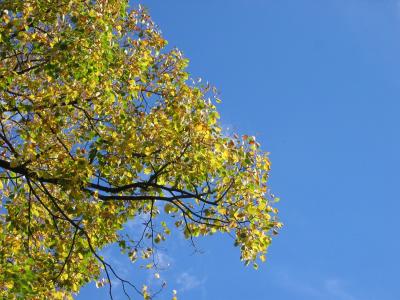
68	256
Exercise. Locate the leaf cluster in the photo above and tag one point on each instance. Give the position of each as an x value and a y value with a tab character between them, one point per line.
100	125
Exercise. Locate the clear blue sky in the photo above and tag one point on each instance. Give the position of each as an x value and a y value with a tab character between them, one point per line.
318	82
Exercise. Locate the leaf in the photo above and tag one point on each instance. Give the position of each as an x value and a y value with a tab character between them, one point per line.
170	208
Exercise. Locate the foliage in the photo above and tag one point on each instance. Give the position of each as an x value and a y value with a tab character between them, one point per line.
100	125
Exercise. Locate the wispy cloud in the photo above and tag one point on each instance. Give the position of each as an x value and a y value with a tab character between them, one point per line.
327	289
162	259
187	281
298	286
337	288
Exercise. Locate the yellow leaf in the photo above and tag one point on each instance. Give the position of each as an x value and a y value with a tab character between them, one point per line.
9	284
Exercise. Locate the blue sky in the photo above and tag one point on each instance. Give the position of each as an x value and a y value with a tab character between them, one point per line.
318	83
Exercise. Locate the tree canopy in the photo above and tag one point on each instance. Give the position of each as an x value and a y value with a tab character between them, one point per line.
101	124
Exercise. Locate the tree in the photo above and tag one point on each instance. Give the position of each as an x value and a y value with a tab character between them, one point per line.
100	124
